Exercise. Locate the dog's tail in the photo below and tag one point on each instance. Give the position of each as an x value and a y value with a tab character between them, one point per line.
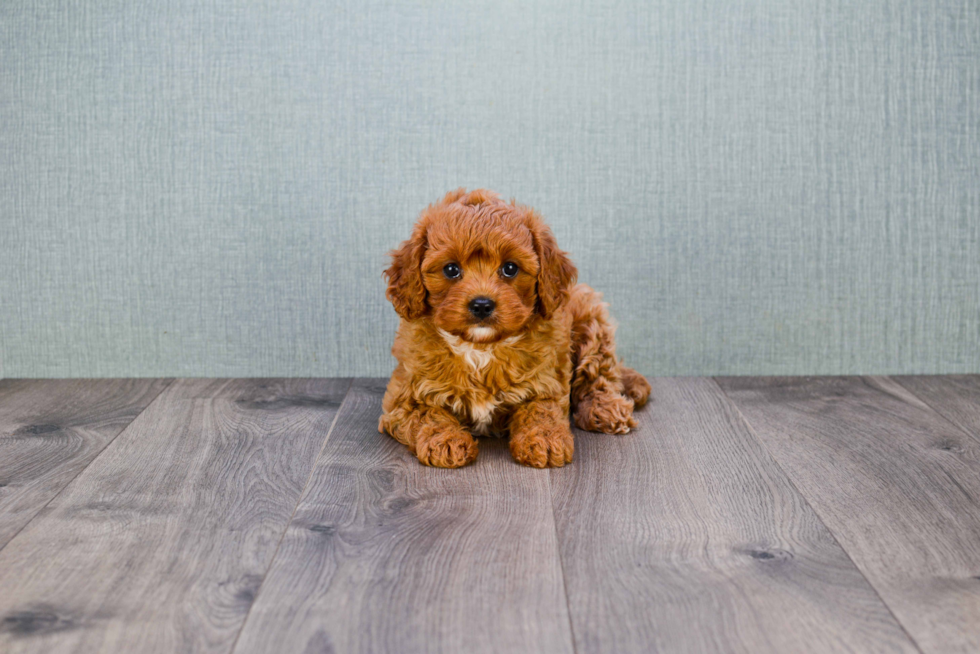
604	391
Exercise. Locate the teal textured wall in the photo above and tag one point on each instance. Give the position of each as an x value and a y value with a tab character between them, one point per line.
193	188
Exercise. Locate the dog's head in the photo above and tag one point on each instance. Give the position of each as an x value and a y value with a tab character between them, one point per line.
480	267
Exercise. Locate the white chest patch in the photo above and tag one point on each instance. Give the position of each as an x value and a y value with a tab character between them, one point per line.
482	416
475	357
478	357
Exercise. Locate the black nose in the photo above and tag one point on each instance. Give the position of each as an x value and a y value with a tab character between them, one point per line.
482	307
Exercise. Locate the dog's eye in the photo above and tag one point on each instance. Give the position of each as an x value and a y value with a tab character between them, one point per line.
509	269
451	270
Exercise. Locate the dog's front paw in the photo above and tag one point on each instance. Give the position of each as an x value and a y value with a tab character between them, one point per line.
543	446
609	413
445	447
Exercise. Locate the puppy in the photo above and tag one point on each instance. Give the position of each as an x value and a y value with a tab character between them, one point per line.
496	338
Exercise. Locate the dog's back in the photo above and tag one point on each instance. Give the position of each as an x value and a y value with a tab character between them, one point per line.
604	391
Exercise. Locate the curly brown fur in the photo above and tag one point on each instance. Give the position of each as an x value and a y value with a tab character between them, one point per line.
604	391
546	348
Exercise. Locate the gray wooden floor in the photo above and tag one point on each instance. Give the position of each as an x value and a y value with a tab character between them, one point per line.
268	515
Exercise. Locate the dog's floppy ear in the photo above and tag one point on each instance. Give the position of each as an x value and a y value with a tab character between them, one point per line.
405	288
556	274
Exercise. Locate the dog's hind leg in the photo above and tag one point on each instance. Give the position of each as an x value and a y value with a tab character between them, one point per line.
636	385
604	392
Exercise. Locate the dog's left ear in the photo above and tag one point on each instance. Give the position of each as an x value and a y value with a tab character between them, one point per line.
405	288
557	273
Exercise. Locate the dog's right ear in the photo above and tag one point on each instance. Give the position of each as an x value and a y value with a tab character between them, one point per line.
557	274
405	288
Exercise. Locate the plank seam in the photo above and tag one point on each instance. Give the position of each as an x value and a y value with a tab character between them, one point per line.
751	430
561	565
299	500
109	442
966	430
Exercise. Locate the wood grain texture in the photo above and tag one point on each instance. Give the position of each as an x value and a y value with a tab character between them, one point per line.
956	397
684	536
51	429
386	555
897	484
161	543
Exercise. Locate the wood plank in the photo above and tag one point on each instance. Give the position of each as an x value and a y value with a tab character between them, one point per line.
955	397
51	429
685	536
897	484
161	543
386	555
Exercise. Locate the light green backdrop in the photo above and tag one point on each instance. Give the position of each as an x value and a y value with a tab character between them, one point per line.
209	188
